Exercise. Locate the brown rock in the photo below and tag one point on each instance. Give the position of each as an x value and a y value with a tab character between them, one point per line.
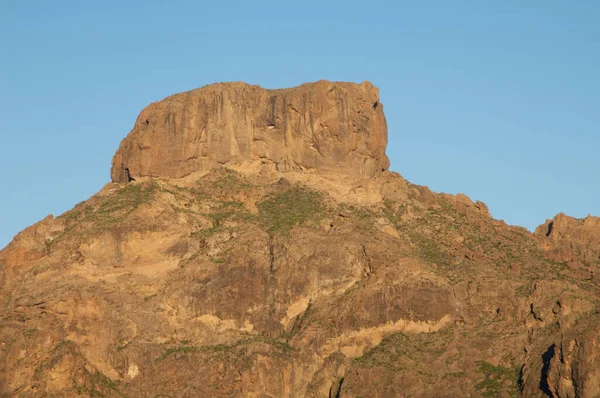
466	206
567	365
575	241
289	284
482	207
324	126
580	230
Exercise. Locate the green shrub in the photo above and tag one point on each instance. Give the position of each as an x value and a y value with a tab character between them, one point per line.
176	350
281	211
496	378
29	332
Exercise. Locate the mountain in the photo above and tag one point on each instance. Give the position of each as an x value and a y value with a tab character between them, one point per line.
253	243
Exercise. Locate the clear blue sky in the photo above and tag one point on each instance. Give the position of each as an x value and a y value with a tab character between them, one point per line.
496	99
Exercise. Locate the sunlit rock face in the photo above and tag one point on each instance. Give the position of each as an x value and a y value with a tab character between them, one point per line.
324	127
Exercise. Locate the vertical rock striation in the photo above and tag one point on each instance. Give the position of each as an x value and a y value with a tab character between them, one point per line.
324	126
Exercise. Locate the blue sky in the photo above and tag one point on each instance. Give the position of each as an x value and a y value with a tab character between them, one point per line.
498	100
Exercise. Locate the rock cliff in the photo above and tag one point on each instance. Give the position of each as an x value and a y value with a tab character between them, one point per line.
329	127
573	241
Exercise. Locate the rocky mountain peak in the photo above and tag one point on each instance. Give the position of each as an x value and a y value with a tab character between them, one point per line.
575	241
323	127
287	264
563	226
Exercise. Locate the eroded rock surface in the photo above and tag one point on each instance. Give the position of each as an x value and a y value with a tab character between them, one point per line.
574	241
567	364
329	127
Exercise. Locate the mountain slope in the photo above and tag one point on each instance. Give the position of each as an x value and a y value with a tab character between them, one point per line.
246	280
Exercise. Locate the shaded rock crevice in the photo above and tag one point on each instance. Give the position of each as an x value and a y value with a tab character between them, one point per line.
546	360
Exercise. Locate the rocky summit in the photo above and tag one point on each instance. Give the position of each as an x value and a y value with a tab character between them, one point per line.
252	243
322	127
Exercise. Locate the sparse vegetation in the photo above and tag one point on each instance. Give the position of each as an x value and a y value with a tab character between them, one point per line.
176	350
430	250
150	296
106	381
220	183
454	375
284	347
60	345
225	211
29	332
109	210
99	382
56	352
400	351
281	211
125	201
394	212
497	379
123	346
524	290
364	217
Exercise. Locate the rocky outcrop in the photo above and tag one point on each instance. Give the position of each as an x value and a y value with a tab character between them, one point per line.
574	241
579	230
567	365
324	126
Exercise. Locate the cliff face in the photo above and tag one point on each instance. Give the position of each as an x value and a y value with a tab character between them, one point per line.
568	363
584	231
323	126
268	271
573	241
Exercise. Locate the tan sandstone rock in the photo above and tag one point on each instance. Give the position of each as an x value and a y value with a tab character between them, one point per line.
575	241
325	126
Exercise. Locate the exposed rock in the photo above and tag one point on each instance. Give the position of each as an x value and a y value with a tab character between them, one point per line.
265	282
464	205
566	365
574	241
578	230
324	126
